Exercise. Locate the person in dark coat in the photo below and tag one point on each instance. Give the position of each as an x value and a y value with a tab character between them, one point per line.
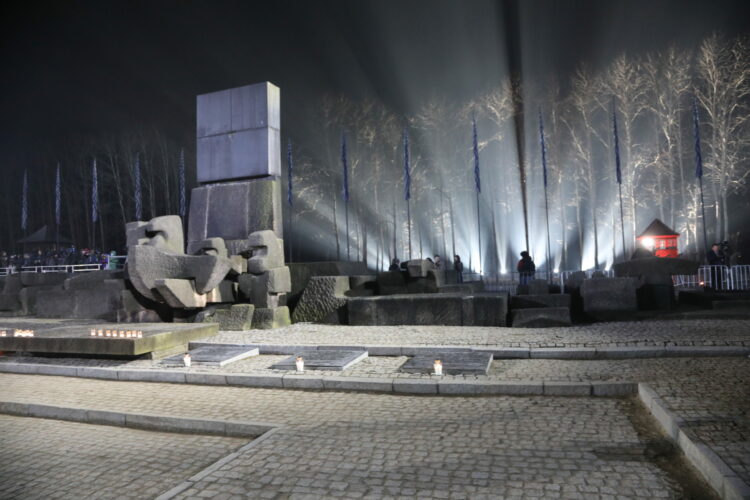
716	256
526	268
395	263
459	267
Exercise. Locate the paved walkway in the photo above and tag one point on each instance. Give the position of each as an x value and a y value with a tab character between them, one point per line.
52	459
641	333
366	445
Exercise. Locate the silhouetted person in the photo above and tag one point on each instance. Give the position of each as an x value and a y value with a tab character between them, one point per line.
526	268
716	256
438	262
459	267
395	263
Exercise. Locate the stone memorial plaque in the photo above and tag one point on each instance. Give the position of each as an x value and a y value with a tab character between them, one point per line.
323	360
454	363
214	355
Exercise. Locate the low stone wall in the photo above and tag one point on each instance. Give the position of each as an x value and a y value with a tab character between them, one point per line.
430	309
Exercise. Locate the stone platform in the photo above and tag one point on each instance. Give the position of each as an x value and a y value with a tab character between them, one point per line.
74	337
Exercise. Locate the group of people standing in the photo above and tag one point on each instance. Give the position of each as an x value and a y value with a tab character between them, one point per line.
525	267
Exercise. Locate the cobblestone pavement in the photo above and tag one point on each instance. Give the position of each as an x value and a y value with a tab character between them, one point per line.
645	333
368	445
42	458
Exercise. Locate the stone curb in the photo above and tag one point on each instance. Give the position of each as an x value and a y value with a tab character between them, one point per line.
714	470
188	483
308	381
627	352
158	423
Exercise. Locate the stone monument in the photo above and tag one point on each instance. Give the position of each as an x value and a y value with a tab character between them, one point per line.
239	164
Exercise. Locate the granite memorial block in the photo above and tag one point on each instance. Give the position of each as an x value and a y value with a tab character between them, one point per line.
454	363
333	360
239	133
213	355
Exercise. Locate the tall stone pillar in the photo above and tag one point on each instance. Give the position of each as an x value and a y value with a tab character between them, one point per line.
239	164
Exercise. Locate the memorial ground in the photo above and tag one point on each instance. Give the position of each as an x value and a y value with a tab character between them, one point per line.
359	443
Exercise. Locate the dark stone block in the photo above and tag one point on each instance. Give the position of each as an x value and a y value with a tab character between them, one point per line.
655	297
549	300
541	317
323	360
92	279
454	363
427	309
43	279
213	355
608	299
12	284
392	283
490	309
233	210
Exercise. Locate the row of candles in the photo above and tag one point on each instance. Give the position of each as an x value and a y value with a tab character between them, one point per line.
123	334
17	333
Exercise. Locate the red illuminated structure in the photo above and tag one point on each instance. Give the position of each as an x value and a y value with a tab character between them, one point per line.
659	238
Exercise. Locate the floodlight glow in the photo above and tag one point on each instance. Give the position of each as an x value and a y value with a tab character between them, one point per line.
648	243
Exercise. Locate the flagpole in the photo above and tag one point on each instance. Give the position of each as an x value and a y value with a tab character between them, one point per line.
546	201
346	194
407	186
618	173
699	169
289	195
478	184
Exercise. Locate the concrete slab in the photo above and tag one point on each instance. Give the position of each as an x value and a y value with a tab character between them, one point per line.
74	337
213	355
323	360
454	363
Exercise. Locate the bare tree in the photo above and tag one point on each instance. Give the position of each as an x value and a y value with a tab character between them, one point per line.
723	89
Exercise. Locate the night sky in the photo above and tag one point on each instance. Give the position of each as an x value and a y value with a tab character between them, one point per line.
72	69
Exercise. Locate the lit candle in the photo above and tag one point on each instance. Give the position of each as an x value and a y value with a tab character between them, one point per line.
140	334
122	333
108	333
93	333
100	333
187	359
300	363
438	367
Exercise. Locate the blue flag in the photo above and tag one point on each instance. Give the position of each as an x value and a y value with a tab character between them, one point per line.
182	187
58	197
290	165
544	148
25	202
697	132
618	171
94	194
346	168
477	179
407	168
137	187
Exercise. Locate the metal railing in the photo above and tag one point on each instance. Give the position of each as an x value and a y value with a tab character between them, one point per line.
115	263
716	277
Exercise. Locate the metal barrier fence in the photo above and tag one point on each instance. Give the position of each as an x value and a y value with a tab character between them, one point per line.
716	277
509	282
114	262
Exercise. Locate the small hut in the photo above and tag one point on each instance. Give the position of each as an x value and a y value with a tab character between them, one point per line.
660	239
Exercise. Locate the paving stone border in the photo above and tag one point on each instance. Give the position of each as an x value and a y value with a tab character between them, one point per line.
629	352
143	421
435	385
188	483
714	470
